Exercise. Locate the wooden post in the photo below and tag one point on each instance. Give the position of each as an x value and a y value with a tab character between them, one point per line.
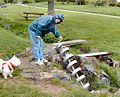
50	7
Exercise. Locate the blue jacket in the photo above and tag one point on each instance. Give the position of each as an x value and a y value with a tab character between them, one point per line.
45	24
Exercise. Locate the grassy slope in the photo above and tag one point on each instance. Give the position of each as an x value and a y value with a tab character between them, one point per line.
102	33
17	88
85	8
10	43
13	16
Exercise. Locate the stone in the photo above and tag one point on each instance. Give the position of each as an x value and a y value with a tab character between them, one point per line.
89	69
7	26
62	75
104	78
3	6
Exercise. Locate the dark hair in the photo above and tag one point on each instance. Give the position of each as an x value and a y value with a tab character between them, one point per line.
60	19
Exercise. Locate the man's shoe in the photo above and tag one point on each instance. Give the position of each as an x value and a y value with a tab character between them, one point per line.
39	62
44	60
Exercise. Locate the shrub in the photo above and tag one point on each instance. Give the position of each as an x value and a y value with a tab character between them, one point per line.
65	0
112	3
101	2
50	38
8	1
40	1
37	0
27	1
118	4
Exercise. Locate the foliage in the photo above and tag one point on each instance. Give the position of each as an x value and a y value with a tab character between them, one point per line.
112	3
27	1
50	38
112	74
8	1
101	2
118	4
40	1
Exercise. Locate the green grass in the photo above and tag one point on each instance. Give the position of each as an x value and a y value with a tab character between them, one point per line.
15	39
16	88
10	43
113	74
84	8
101	32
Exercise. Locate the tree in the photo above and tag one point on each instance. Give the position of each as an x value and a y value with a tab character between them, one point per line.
50	7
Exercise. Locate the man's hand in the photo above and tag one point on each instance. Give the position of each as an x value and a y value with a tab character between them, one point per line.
38	37
60	39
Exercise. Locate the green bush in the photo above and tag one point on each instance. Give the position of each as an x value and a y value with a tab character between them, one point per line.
65	0
101	2
8	1
112	3
50	38
118	4
27	1
37	0
40	1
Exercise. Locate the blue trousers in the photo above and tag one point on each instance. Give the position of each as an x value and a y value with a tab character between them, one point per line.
37	45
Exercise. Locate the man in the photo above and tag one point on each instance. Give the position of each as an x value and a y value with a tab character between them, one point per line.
37	30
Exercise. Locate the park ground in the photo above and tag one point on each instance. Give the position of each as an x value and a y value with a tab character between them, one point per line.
101	32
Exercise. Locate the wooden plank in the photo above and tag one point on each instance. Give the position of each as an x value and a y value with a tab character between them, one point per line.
94	54
33	13
72	42
31	16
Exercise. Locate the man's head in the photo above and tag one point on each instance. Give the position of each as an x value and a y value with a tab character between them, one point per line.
57	21
59	18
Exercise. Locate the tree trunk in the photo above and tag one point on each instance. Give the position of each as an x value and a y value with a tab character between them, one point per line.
50	7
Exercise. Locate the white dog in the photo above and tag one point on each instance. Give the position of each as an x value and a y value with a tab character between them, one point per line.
7	67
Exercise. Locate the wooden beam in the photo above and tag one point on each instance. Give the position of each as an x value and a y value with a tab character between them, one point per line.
72	42
94	54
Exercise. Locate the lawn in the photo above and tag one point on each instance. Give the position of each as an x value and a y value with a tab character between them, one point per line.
84	8
101	33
